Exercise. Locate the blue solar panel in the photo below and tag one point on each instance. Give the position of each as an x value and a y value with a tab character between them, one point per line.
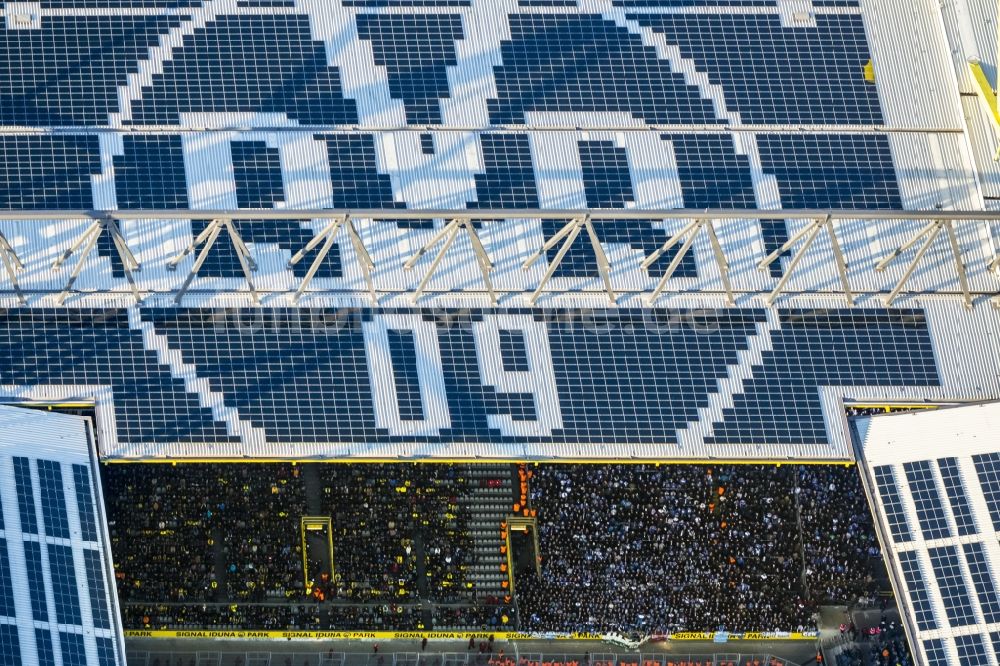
150	173
892	506
64	586
97	588
85	502
951	585
982	581
960	509
513	351
43	644
569	49
10	645
67	71
823	348
52	497
995	639
919	598
248	63
508	180
106	652
257	173
930	511
402	349
972	650
831	170
36	580
6	583
97	347
773	74
73	648
427	144
416	50
988	468
354	174
937	655
25	495
47	171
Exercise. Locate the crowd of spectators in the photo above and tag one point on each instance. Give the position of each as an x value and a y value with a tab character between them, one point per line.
492	616
258	517
160	522
220	545
274	616
386	517
650	549
839	544
633	549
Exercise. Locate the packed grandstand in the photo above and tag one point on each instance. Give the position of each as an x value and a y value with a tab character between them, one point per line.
664	548
525	318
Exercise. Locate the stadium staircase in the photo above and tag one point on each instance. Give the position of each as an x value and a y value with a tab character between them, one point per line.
487	503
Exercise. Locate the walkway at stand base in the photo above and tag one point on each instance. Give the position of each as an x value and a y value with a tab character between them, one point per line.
206	652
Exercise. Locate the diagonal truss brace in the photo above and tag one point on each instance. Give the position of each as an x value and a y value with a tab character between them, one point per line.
11	264
928	233
208	237
569	232
329	233
689	233
88	241
809	232
448	233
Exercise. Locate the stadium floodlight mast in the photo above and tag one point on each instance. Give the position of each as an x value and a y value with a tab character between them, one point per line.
448	233
88	240
208	236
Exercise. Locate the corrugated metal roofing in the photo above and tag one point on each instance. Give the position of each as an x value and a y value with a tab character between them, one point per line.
53	454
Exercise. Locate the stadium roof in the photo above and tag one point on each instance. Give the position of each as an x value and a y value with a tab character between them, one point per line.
934	481
56	574
812	156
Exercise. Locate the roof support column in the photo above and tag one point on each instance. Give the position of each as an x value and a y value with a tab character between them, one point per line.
449	232
689	233
570	231
88	240
11	264
928	234
208	237
809	232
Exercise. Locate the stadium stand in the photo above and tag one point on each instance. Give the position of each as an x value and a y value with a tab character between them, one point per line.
405	533
796	113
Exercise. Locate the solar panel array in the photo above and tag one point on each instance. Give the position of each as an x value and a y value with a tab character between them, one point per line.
54	572
940	540
396	105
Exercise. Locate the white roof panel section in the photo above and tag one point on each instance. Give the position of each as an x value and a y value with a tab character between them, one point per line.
933	479
54	544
